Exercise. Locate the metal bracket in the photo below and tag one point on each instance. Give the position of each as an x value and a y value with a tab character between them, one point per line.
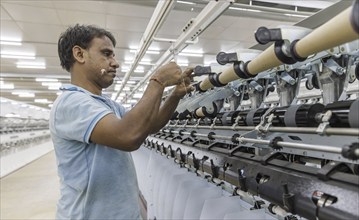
287	78
334	66
325	122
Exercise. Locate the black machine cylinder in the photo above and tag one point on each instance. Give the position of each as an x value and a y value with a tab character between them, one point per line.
254	116
341	112
230	118
303	115
278	119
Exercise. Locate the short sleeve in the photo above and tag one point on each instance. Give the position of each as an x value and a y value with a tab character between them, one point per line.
76	114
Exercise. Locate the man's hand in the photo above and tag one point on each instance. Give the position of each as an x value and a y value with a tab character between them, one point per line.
168	75
184	86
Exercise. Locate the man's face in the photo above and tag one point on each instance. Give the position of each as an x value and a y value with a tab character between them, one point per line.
101	62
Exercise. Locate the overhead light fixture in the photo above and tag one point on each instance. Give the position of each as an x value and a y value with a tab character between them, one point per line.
190	54
46	80
4	85
17	57
17	53
133	101
146	63
153	52
53	84
12	115
244	9
148	51
13	43
295	15
41	100
53	87
137	95
187	3
31	65
24	94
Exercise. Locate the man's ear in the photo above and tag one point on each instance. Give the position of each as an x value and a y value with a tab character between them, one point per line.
79	54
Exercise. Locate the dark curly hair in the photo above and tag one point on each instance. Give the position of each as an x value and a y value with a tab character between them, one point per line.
80	35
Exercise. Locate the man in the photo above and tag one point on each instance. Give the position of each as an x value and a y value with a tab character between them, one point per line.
93	135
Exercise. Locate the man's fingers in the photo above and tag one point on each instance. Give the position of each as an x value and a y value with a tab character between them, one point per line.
187	72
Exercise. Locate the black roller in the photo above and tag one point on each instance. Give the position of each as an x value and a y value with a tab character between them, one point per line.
183	115
219	117
174	116
340	113
278	119
354	114
229	118
210	114
302	115
254	116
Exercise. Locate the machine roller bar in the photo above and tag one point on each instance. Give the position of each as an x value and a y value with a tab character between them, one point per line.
329	149
222	137
306	130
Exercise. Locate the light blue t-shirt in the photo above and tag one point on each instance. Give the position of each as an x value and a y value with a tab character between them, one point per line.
97	182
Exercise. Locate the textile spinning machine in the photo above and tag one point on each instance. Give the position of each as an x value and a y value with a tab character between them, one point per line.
270	134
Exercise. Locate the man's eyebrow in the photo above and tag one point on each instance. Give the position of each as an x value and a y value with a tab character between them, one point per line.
107	50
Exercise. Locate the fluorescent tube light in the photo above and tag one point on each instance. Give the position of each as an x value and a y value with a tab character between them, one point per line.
30	67
17	53
51	84
4	85
244	9
152	52
190	54
46	80
24	94
14	43
146	63
53	87
7	86
294	15
187	3
133	101
12	115
17	56
41	100
137	95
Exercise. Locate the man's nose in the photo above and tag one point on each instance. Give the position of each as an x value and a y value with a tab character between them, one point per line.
115	64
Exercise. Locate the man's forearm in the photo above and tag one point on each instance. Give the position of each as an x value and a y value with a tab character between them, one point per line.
165	113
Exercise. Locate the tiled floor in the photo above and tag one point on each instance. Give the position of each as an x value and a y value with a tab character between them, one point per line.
32	191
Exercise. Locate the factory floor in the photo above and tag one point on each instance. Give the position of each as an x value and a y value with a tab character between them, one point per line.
32	191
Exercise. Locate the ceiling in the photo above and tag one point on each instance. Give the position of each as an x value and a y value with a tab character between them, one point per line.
38	24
